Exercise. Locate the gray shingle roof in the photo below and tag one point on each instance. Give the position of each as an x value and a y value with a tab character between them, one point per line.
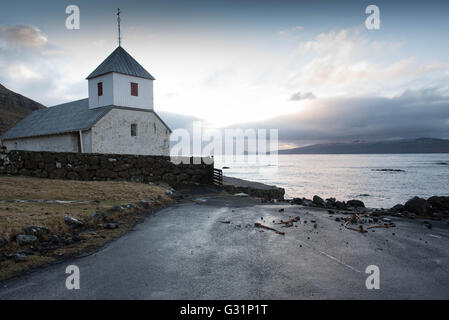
63	118
67	117
121	61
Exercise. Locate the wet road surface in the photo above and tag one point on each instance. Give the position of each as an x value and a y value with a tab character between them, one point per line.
187	252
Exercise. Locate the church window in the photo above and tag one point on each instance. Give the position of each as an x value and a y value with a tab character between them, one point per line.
100	88
133	130
134	89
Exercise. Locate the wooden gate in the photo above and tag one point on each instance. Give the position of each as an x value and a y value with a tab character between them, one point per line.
218	177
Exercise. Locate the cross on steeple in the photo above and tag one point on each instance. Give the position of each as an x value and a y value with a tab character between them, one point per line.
118	24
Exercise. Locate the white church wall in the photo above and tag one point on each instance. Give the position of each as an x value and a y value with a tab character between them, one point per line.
112	134
122	92
87	141
107	98
60	143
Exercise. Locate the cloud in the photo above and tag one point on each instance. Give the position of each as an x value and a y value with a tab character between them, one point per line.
36	68
178	121
23	36
413	114
290	31
220	77
23	72
348	62
305	96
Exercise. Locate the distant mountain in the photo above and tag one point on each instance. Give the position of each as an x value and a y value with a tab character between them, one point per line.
421	145
14	107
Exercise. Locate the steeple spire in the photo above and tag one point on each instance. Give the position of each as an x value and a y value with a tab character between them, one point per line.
118	24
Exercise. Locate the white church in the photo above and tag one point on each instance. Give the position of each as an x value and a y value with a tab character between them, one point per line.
117	117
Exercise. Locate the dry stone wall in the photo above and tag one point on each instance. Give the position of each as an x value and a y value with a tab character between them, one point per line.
103	167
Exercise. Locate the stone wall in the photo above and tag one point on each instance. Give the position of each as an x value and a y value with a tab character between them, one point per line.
268	194
91	166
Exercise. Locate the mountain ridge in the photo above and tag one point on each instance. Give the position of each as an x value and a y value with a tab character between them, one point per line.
419	145
14	107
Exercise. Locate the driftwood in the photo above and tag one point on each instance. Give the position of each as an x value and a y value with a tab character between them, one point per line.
259	225
289	223
358	217
355	217
360	229
389	225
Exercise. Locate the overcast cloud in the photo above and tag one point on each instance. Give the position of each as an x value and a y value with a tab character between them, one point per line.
413	114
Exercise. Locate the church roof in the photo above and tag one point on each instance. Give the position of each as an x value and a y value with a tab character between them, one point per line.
121	61
63	118
66	117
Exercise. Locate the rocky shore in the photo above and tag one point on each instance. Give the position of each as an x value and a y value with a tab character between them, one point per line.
353	214
435	207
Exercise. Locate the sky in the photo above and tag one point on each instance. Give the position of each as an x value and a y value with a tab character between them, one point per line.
310	68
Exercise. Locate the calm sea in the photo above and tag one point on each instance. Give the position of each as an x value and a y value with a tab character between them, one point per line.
348	177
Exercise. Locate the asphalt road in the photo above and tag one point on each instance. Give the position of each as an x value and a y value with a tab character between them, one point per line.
185	252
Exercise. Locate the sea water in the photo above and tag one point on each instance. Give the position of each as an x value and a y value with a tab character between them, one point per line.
380	180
